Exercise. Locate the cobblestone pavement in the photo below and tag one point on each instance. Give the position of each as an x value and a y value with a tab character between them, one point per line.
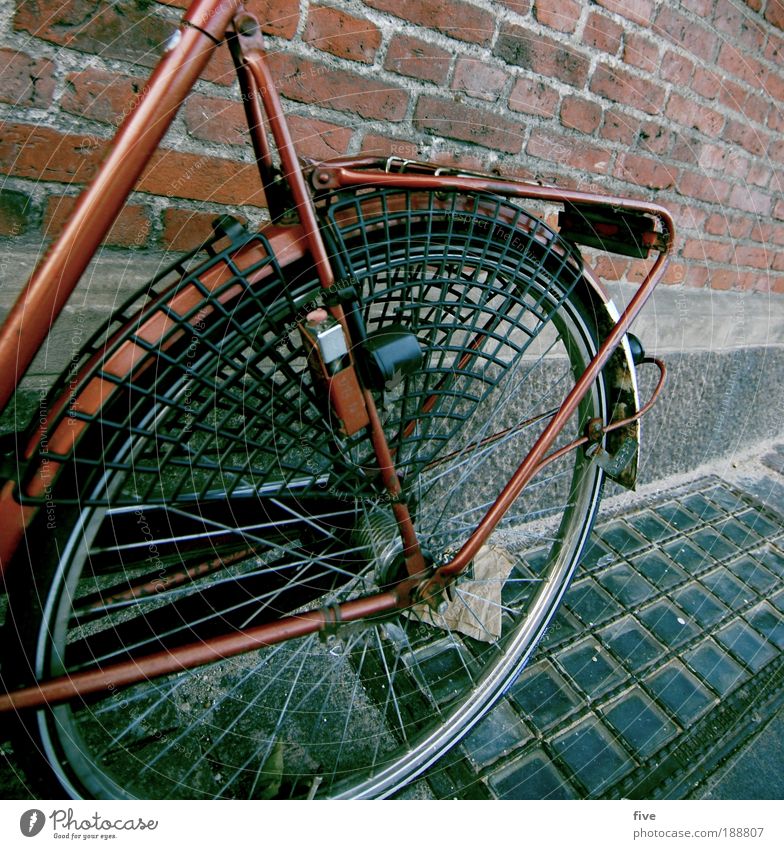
665	659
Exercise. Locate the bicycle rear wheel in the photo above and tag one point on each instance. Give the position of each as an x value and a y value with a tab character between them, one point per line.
215	496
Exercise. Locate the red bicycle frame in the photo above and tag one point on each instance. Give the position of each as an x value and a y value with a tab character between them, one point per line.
204	26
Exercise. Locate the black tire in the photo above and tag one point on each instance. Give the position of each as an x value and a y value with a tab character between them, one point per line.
302	522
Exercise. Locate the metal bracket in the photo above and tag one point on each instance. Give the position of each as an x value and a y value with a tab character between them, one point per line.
613	464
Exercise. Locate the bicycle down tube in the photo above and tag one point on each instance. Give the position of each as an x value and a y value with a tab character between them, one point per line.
28	324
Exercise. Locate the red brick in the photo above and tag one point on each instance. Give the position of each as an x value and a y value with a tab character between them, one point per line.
723	279
478	79
740	133
208	178
25	81
579	114
696	276
677	69
619	127
566	151
318	139
640	52
415	58
186	229
719	224
467	123
130	229
381	146
277	17
778	210
455	18
562	15
686	32
773	84
639	11
645	172
741	27
706	82
725	159
703	8
122	30
774	48
702	187
741	65
751	200
534	98
529	49
216	119
768	232
342	34
40	153
706	250
520	6
732	95
654	138
756	108
675	274
610	267
311	82
602	33
774	12
622	86
15	211
223	121
694	115
755	257
101	95
686	148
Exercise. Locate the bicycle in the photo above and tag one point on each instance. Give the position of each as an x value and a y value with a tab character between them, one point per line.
263	531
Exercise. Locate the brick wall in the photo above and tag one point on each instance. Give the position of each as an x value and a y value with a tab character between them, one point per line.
680	102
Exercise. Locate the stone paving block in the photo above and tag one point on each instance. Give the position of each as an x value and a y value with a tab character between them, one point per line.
669	623
446	671
746	645
592	755
717	546
772	560
700	506
632	644
562	627
534	776
677	517
754	574
640	723
694	560
520	585
758	523
715	667
725	498
768	622
596	554
738	532
626	585
621	537
701	605
728	588
496	735
659	570
590	603
680	692
770	491
591	668
650	526
544	696
778	601
537	560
